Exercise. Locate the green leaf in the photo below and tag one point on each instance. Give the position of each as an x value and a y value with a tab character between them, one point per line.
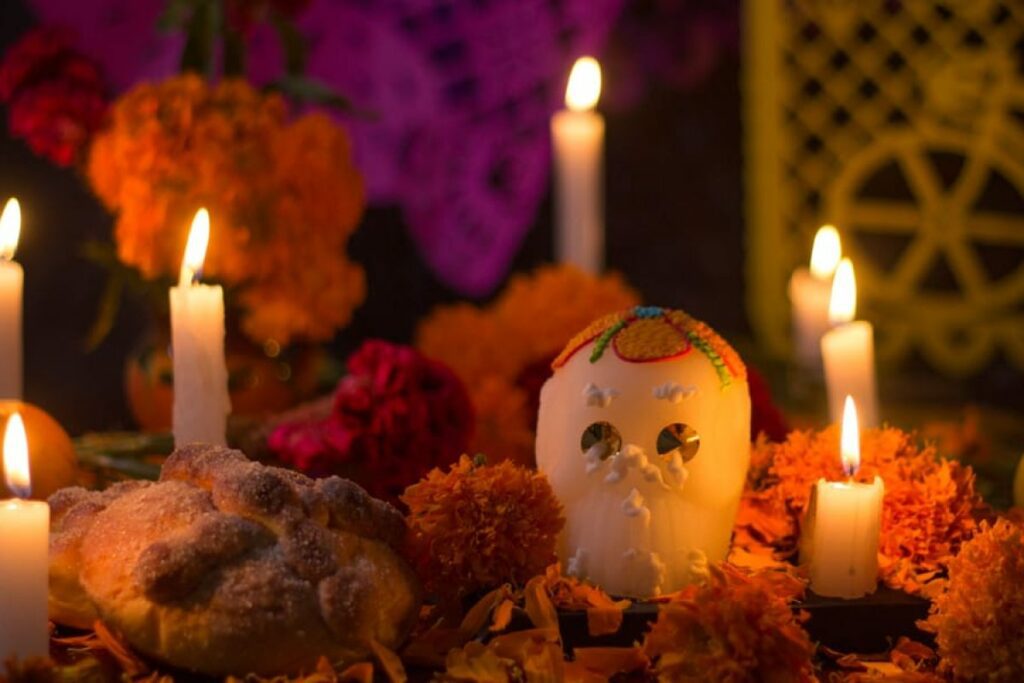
294	43
106	314
175	14
234	53
313	91
202	33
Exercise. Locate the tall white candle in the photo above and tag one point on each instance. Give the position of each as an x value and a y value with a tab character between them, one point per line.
201	400
24	555
11	285
809	292
848	351
577	134
845	524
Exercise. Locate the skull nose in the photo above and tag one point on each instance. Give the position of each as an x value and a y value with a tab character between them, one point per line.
633	453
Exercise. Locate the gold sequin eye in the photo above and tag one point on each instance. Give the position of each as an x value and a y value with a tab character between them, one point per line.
603	435
679	437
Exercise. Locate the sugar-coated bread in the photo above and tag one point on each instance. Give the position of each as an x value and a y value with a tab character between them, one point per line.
226	566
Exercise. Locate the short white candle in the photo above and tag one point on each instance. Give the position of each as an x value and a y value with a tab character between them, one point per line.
201	400
11	285
847	520
577	134
24	555
809	292
848	351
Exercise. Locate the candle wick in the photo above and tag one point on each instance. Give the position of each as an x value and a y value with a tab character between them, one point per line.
188	276
19	491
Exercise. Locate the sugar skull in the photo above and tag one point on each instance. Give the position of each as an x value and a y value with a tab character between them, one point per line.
643	433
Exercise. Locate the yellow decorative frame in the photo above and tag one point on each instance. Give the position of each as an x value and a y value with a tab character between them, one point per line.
921	102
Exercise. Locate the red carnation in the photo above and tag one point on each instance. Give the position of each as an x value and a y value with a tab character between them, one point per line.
396	416
55	96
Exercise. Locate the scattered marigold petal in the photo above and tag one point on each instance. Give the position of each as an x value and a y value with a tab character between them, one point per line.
357	673
502	615
538	605
479	614
390	663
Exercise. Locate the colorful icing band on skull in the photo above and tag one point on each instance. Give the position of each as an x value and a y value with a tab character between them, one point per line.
648	334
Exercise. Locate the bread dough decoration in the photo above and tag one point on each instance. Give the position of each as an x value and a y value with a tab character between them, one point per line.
226	566
643	432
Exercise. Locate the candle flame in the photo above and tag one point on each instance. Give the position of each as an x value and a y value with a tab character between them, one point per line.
842	306
826	252
10	229
16	470
195	248
849	439
584	86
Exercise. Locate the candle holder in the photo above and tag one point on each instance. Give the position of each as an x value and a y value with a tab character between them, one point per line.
867	625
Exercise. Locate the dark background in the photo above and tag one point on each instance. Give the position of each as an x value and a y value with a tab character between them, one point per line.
674	218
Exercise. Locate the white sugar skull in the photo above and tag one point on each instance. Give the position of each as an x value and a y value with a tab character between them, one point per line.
644	434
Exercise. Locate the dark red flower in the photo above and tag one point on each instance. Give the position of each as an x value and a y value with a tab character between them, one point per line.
57	119
765	416
55	96
396	415
531	380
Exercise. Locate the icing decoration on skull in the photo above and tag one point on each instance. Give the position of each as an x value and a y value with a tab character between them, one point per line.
643	432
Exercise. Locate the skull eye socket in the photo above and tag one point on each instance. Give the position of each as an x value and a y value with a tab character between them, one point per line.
603	435
681	438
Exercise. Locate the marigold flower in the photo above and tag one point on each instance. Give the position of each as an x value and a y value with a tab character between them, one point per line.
930	506
284	195
479	526
978	620
494	349
734	628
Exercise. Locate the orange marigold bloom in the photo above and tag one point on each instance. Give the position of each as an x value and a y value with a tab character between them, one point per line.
503	421
542	310
478	526
979	619
529	322
284	197
736	627
930	506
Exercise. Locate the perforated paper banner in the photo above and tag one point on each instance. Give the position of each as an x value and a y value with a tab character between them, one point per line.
903	124
461	91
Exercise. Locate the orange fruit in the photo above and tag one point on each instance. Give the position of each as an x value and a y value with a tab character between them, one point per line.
52	461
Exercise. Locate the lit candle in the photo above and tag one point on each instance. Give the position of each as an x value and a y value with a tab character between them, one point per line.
848	351
577	134
11	283
841	543
24	550
201	401
809	290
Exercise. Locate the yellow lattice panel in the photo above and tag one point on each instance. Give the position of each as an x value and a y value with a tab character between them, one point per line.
903	124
